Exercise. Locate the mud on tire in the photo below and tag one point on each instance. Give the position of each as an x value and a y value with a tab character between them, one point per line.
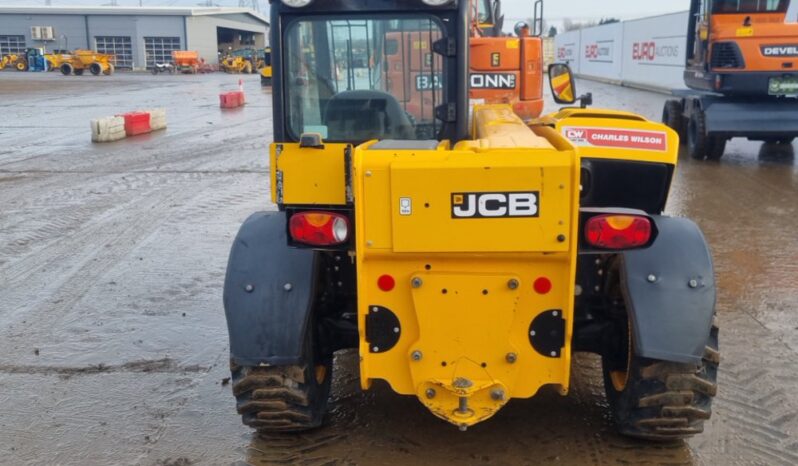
287	398
665	401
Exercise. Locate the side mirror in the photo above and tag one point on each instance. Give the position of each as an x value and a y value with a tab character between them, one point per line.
561	80
563	89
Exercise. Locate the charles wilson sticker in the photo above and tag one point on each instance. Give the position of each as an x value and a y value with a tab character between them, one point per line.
617	138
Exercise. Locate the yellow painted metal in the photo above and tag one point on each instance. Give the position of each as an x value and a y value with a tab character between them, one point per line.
464	293
308	176
498	127
464	347
430	182
614	122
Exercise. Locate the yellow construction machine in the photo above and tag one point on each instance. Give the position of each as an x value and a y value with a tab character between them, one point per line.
237	64
17	61
78	61
266	70
464	253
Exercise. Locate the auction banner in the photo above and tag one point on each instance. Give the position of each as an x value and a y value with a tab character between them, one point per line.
602	49
654	51
568	49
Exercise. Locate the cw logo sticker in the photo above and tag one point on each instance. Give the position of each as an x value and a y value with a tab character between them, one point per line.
495	205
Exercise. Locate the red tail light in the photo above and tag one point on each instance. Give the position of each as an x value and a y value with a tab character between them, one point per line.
319	228
618	231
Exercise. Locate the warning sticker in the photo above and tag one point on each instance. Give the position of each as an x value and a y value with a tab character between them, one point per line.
618	138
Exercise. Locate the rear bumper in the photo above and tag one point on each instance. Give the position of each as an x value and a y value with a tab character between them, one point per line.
742	83
752	118
749	83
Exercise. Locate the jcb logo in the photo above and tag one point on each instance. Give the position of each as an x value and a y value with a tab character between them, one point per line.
495	205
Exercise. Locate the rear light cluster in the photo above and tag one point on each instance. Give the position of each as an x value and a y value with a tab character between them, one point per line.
618	231
319	228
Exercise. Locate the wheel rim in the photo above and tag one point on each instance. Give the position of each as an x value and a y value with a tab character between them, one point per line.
619	378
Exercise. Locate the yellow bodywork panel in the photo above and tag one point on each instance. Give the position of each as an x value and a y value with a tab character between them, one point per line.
465	261
479	243
608	134
308	176
498	127
438	188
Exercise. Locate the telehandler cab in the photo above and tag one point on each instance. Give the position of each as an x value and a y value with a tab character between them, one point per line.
466	255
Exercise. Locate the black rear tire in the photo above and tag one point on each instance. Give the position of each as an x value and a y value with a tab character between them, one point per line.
96	69
661	400
697	140
672	117
785	141
717	146
284	398
66	69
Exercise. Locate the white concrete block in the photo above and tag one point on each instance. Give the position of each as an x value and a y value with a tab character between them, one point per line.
107	129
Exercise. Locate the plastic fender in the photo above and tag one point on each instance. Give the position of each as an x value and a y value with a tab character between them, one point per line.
268	293
669	289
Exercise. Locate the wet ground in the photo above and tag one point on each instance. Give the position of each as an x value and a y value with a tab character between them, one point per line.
113	345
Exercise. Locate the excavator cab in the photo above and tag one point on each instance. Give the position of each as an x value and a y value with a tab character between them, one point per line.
742	47
462	253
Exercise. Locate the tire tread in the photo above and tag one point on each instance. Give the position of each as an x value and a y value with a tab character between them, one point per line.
275	399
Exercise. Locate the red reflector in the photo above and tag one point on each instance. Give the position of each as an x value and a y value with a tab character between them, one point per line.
542	285
618	231
319	228
386	282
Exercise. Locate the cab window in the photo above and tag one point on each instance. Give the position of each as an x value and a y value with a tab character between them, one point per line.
358	79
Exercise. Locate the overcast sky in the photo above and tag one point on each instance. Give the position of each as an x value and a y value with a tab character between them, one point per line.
555	10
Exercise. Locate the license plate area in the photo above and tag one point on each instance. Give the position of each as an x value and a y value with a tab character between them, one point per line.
783	85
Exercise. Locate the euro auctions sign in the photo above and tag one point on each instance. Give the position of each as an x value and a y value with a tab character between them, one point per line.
617	138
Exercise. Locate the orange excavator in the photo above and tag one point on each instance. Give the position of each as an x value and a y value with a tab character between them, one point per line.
506	69
742	69
503	69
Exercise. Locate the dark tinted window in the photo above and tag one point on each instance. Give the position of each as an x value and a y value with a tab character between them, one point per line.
749	6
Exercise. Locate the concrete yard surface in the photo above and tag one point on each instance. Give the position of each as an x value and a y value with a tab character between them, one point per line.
113	342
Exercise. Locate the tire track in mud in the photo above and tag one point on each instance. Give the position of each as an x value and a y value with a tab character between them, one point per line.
144	204
753	395
752	406
78	210
92	250
165	365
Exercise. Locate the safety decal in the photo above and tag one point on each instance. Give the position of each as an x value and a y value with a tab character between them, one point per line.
618	138
405	206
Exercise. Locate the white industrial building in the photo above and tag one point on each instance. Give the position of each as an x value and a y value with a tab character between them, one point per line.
137	36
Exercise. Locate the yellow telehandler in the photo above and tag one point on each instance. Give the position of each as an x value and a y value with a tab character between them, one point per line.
464	253
80	60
